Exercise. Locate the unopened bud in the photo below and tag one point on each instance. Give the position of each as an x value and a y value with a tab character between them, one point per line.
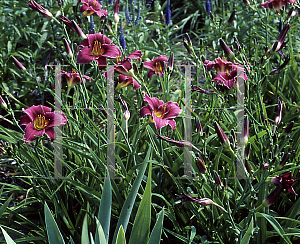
18	64
3	103
78	30
227	50
68	49
200	164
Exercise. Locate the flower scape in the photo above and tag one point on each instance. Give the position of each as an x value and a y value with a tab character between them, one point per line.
149	121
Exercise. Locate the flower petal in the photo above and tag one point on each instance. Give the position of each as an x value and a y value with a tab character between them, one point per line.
102	62
111	51
172	109
152	102
159	123
172	123
85	57
34	111
30	133
51	133
25	119
144	111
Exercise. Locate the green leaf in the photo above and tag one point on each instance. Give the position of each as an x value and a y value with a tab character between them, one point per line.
7	237
101	235
85	231
129	202
248	234
121	236
4	206
275	225
141	226
54	235
9	48
157	229
104	213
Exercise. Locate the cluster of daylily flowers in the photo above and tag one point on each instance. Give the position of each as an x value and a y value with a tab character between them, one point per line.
39	120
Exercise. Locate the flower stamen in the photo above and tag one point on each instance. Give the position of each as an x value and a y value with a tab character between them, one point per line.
40	122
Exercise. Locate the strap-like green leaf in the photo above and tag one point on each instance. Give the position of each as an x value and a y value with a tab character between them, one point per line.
7	237
104	213
141	226
54	235
121	236
157	230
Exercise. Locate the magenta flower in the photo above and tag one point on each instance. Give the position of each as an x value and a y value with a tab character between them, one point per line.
97	47
161	113
39	120
35	6
220	65
227	80
124	66
283	182
73	78
126	81
91	7
277	4
156	65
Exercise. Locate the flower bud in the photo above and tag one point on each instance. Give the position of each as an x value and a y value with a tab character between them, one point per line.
231	18
227	50
78	30
35	6
18	64
116	11
280	106
198	126
247	151
289	128
200	164
68	49
171	62
3	103
222	137
217	179
284	160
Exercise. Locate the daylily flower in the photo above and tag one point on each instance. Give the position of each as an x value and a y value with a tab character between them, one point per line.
161	113
97	47
156	65
39	120
283	182
124	66
35	6
73	78
126	81
277	4
227	80
177	143
280	43
90	7
220	65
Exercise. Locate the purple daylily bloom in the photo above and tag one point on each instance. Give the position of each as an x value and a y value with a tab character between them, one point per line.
73	78
156	65
39	120
283	182
91	7
126	81
277	4
97	47
162	114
